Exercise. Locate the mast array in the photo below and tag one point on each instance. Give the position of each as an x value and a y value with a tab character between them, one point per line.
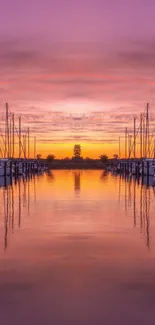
15	142
142	143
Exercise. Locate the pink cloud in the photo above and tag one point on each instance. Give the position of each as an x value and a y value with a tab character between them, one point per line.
117	84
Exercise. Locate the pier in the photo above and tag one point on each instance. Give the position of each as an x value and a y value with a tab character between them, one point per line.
138	156
136	149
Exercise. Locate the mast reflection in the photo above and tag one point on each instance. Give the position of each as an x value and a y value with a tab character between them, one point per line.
16	197
137	198
19	203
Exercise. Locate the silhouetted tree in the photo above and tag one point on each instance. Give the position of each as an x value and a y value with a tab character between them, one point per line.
104	158
115	156
88	159
50	157
38	156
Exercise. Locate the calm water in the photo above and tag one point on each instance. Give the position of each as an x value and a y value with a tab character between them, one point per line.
77	248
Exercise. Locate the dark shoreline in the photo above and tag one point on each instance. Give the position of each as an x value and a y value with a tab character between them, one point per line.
62	164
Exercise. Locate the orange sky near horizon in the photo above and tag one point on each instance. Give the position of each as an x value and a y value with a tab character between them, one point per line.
64	150
87	150
57	131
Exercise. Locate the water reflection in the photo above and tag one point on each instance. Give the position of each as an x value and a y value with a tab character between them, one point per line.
104	175
14	198
5	181
50	175
90	254
135	193
137	196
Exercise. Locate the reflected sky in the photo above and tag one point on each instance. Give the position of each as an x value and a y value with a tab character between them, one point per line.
75	246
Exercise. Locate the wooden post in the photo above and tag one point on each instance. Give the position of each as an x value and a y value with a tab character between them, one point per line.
11	168
148	165
142	168
5	168
138	168
23	165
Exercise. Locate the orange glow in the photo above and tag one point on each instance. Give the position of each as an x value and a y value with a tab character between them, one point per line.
66	150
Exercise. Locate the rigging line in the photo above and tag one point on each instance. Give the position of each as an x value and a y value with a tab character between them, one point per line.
3	140
23	116
1	150
152	152
138	133
133	141
20	141
150	142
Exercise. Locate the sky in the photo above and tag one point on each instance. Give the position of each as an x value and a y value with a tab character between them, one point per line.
77	71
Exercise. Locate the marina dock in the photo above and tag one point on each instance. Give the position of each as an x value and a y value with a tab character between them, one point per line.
18	148
137	147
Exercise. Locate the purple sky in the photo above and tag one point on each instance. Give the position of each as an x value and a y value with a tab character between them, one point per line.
77	57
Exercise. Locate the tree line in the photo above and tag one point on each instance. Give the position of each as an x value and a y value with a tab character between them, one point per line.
77	156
